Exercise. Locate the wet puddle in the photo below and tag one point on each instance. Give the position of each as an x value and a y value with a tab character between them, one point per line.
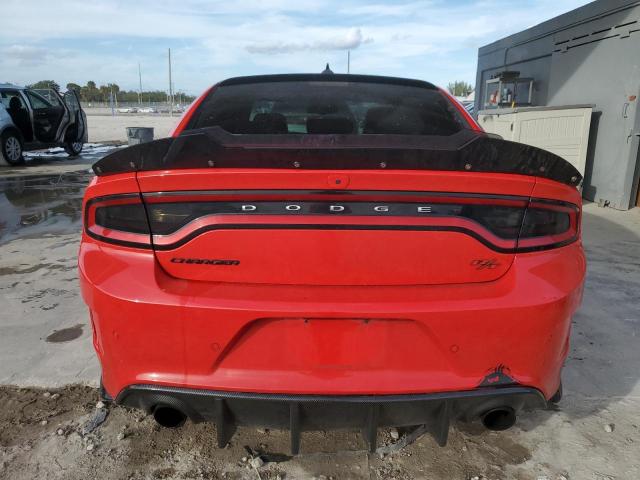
42	204
89	150
66	334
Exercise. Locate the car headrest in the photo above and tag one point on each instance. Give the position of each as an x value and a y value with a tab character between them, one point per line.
269	123
329	124
15	103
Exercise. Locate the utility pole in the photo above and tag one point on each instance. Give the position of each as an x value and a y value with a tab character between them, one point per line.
348	61
170	88
140	89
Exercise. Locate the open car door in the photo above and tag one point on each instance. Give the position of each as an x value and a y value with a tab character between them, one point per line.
77	133
50	114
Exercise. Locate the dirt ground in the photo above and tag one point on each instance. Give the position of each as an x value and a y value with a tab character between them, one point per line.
43	435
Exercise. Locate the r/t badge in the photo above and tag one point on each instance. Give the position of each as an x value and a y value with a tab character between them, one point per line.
485	263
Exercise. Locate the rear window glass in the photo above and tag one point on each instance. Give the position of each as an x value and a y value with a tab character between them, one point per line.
317	107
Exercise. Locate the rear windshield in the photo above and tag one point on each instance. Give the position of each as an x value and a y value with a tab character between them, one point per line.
329	107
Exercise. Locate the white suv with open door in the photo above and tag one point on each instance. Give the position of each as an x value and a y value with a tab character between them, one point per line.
42	118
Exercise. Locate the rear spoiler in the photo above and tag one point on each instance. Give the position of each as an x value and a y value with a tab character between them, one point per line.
214	147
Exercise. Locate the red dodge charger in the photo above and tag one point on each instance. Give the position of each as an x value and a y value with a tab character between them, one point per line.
315	251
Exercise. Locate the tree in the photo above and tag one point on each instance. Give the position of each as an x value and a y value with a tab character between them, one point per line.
114	87
459	88
45	84
107	90
90	92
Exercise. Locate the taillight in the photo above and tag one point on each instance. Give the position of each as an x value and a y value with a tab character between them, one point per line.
502	220
493	220
548	224
119	219
503	223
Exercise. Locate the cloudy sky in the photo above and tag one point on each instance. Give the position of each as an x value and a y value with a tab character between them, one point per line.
103	40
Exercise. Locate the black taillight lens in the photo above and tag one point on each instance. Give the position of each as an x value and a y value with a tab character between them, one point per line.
168	217
119	219
504	224
547	225
539	223
127	218
504	221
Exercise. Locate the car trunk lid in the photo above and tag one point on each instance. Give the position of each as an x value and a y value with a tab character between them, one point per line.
335	227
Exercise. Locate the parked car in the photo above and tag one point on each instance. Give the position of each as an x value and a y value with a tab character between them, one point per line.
320	251
128	110
147	110
41	118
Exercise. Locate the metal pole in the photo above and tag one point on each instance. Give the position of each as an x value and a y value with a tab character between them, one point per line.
348	61
140	89
170	88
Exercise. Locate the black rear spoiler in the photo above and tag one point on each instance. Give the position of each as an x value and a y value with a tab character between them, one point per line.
466	150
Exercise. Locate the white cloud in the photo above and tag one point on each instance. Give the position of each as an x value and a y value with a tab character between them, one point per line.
25	54
349	41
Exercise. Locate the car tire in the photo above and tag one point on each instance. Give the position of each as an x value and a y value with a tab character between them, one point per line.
11	149
73	149
104	396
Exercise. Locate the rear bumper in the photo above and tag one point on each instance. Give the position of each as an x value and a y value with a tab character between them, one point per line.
152	329
298	413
